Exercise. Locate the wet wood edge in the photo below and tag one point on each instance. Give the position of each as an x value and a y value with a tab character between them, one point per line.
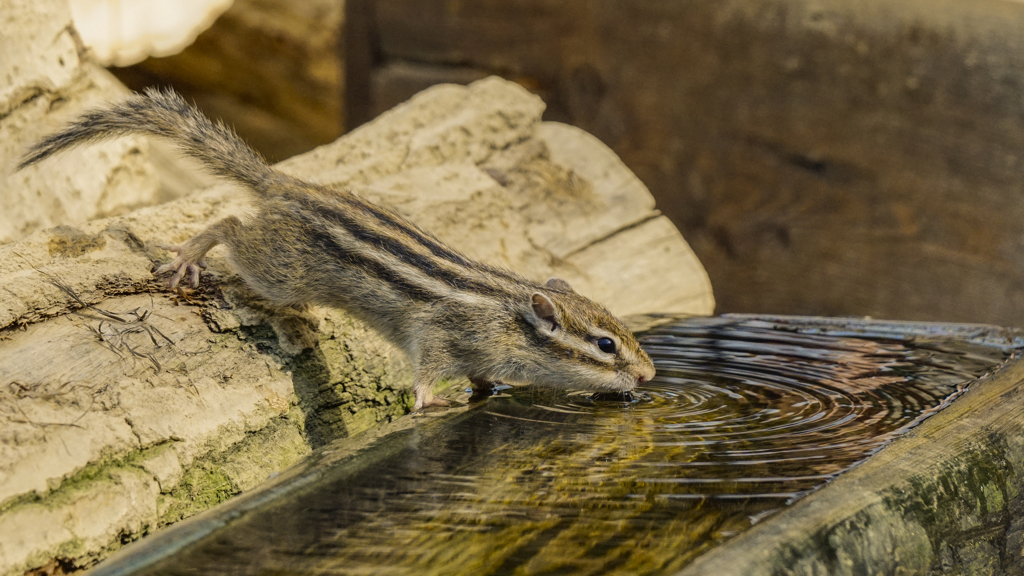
954	483
360	450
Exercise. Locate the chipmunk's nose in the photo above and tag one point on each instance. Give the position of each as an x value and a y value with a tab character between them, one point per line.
646	375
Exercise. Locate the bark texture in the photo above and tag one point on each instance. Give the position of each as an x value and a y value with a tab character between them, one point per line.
124	407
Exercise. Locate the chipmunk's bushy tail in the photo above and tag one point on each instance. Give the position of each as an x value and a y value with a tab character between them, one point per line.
165	114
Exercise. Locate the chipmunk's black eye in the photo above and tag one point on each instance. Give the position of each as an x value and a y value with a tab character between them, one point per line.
606	345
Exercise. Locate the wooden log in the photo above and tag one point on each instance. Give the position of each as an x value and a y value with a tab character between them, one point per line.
124	407
46	80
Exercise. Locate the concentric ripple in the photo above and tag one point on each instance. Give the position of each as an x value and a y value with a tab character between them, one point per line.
760	411
744	416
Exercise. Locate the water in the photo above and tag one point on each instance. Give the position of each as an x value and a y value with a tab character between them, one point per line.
745	416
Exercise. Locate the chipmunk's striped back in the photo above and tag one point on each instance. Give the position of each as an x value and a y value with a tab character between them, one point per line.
396	250
312	244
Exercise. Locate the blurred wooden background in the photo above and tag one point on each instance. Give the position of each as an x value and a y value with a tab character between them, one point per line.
821	157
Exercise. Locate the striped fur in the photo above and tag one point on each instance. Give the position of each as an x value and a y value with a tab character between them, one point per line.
310	244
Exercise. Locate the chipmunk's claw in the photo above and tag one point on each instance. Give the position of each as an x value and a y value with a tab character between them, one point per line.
181	266
484	389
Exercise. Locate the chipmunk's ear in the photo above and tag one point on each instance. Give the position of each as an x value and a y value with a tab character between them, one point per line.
556	283
545	316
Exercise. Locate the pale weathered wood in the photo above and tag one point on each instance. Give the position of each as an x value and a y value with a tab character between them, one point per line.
157	407
46	79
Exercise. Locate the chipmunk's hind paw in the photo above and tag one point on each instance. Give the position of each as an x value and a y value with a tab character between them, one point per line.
430	405
182	266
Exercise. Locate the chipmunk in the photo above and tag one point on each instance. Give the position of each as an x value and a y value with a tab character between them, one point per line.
309	244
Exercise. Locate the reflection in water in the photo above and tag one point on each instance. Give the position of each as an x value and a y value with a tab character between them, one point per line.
742	419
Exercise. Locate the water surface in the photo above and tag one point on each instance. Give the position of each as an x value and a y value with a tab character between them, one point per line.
744	417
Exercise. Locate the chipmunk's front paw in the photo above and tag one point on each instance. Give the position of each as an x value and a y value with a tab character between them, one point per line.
484	389
182	266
